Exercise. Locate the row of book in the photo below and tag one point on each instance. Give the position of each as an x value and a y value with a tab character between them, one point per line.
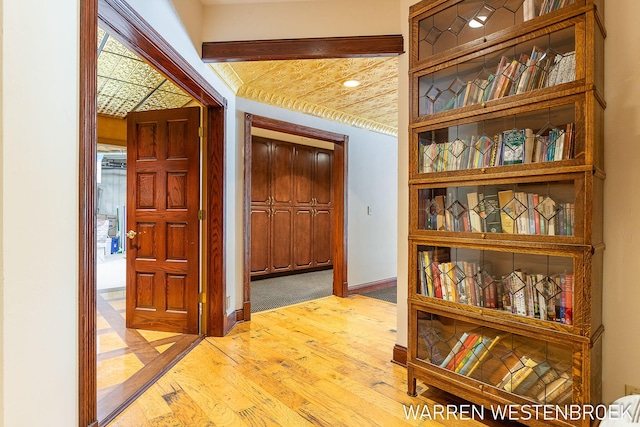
524	377
529	7
528	72
463	209
510	147
526	294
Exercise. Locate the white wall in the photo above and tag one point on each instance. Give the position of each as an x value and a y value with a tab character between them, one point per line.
372	182
327	18
39	214
622	199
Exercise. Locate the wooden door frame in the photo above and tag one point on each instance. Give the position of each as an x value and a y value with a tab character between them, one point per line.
128	27
340	168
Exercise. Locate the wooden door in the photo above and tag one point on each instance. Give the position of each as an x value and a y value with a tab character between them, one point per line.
281	174
260	239
322	237
302	236
281	239
323	180
303	172
162	216
260	170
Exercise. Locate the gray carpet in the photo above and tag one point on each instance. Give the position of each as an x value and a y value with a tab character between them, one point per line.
286	290
387	294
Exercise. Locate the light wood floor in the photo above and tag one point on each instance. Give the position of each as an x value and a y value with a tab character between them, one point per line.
324	362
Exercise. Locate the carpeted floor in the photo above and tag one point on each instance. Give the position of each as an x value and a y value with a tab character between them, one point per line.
267	294
286	290
387	294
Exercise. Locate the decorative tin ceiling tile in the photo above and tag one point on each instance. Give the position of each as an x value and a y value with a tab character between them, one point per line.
316	87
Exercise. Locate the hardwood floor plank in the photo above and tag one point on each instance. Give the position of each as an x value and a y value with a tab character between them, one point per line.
322	363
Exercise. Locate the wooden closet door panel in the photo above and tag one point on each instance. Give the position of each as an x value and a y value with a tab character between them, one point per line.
281	240
303	168
323	179
260	240
260	170
322	237
302	234
282	173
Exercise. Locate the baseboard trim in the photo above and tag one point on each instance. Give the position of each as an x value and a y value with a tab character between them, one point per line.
399	355
233	319
374	286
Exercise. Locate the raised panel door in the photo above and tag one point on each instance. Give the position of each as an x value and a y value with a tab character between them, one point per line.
260	239
323	178
162	214
304	175
282	173
281	242
260	170
322	236
302	235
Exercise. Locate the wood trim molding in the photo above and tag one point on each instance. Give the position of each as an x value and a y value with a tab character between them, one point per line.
246	223
123	22
295	129
215	254
373	286
340	284
87	387
340	236
117	17
304	48
399	355
233	319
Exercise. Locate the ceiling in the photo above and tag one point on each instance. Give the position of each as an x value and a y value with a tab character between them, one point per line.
127	83
314	86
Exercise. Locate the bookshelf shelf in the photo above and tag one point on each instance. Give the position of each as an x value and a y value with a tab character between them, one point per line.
505	200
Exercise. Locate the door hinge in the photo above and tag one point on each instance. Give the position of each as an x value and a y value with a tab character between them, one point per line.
202	297
201	214
201	132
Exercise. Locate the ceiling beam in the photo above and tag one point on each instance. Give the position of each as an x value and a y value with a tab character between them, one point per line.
308	48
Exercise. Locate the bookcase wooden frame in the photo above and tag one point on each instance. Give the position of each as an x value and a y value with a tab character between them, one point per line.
585	171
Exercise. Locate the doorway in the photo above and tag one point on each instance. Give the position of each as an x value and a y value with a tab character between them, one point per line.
120	20
339	178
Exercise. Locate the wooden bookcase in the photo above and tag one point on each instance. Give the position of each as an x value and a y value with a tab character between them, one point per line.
505	201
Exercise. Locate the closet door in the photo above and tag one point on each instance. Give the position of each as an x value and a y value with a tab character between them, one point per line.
323	178
322	237
304	166
260	170
260	240
302	238
281	173
282	239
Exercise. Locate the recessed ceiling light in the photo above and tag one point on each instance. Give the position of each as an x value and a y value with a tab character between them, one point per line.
351	83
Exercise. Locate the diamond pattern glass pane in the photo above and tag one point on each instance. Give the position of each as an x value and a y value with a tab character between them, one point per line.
542	209
469	20
536	286
532	368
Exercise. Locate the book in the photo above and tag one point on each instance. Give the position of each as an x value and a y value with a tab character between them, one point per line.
553	390
464	358
546	378
520	375
513	151
506	211
491	207
480	354
474	217
537	373
456	348
467	345
426	262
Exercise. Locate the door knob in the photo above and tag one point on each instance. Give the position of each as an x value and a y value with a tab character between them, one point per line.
131	234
